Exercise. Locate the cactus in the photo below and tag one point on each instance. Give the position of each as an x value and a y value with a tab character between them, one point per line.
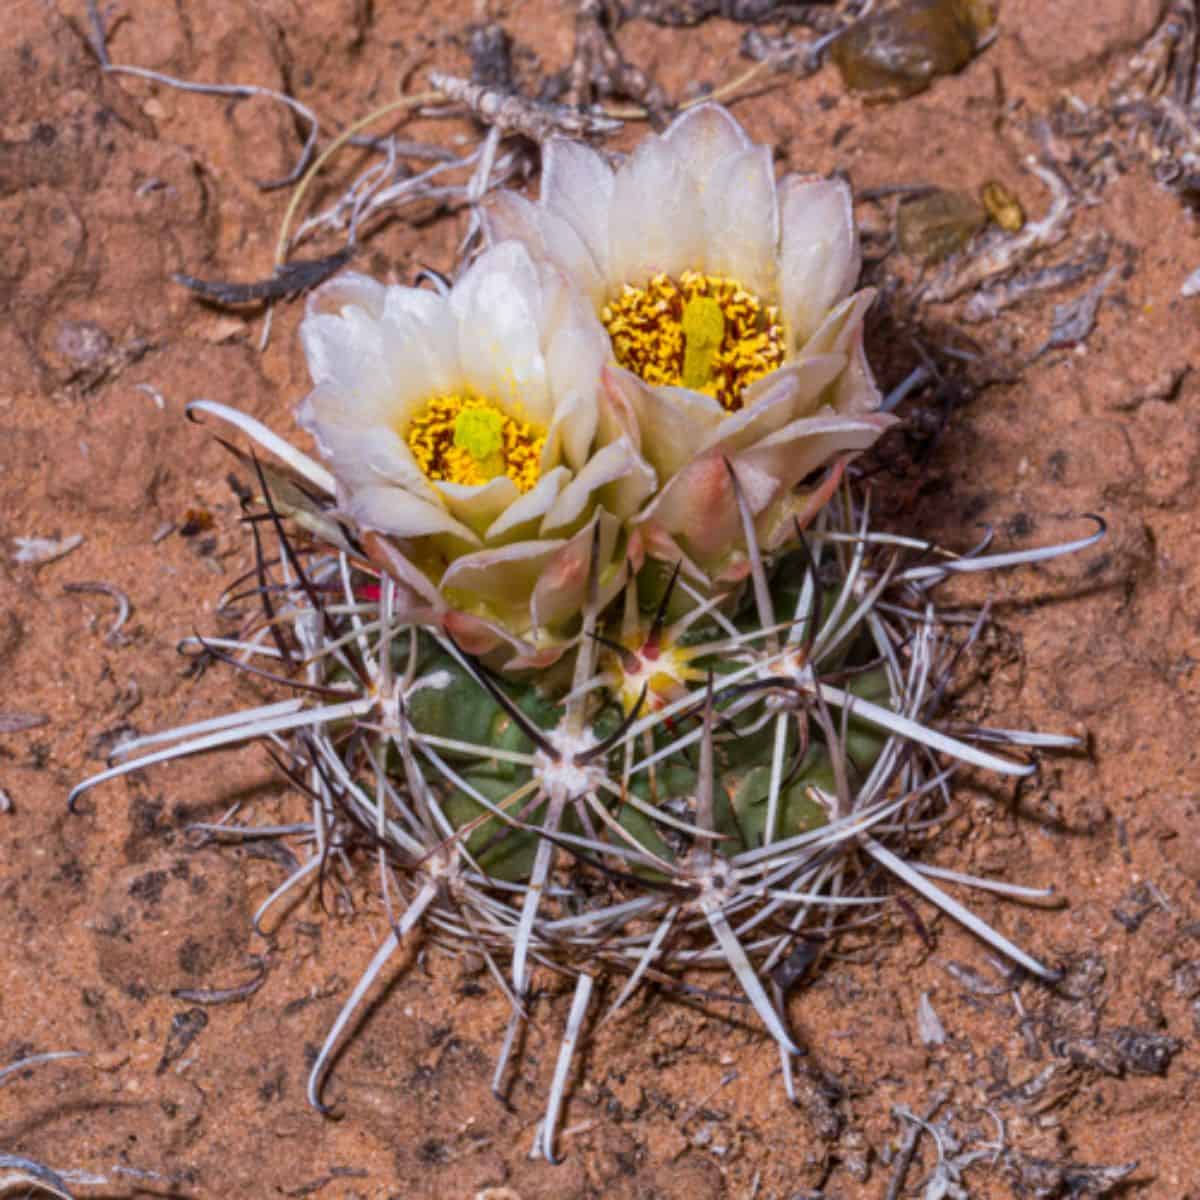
698	785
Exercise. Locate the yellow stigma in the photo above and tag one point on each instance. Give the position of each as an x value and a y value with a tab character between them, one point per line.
703	332
468	439
480	432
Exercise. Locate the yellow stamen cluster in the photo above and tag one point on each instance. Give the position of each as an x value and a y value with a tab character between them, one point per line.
703	332
468	439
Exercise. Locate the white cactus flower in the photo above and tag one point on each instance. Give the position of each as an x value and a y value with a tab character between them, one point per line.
735	334
472	446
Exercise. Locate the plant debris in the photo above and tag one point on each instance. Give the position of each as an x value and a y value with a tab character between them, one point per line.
1120	1051
36	550
797	56
929	1026
98	41
229	995
985	304
1074	321
1136	905
289	280
681	14
511	113
334	1173
185	1028
16	1172
1000	252
1045	1180
490	48
1145	1053
114	636
13	1070
19	722
598	69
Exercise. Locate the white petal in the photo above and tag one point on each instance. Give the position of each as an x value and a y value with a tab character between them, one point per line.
820	257
422	304
387	555
676	422
617	463
387	355
546	235
560	592
363	439
698	508
775	400
741	218
577	185
530	507
498	303
837	331
618	415
575	356
393	510
655	223
478	505
421	352
509	216
574	429
703	136
842	330
371	458
328	404
419	331
502	579
568	312
347	350
802	447
630	490
349	288
856	390
673	422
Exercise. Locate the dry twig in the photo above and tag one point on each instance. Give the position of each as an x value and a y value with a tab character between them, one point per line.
598	67
512	113
113	637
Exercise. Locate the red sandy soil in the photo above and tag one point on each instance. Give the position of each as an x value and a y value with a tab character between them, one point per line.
105	912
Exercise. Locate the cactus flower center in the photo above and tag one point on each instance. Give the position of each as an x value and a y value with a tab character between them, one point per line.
703	332
469	439
654	673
